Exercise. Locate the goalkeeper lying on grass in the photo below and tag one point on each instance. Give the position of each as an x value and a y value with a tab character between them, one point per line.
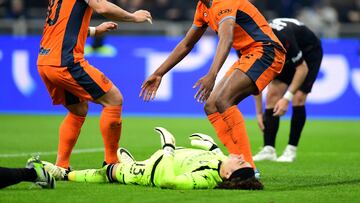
177	168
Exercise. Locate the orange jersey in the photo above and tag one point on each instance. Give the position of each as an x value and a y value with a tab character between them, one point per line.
65	33
251	28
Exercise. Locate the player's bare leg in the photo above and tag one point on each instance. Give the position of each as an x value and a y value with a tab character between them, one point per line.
110	123
276	90
216	120
236	88
210	105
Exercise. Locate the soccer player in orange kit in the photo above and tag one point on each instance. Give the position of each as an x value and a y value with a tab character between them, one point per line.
72	81
261	57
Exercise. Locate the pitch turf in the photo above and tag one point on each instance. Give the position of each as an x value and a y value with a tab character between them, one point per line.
327	168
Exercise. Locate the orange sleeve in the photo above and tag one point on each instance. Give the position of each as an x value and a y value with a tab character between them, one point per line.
225	9
198	17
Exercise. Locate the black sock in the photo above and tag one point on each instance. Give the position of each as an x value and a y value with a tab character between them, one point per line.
109	172
298	119
11	176
271	127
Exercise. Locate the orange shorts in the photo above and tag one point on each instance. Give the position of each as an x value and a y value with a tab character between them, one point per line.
74	84
262	64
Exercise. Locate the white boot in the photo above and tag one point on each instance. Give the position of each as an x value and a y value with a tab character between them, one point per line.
288	155
267	153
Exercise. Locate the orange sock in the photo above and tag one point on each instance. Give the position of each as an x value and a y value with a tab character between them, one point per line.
69	132
235	120
223	132
110	127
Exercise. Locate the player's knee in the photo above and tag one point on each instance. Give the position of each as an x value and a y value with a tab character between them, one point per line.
80	109
117	98
210	107
272	97
299	100
112	98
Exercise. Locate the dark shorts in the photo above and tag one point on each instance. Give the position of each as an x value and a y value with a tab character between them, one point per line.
313	60
261	64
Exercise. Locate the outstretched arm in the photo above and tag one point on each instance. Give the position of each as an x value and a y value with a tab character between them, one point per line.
259	111
206	83
114	12
102	29
152	83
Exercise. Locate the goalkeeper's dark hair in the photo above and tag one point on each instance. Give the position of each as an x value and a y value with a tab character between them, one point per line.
242	179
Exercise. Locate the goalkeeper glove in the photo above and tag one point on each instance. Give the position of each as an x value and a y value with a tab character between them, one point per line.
167	140
204	142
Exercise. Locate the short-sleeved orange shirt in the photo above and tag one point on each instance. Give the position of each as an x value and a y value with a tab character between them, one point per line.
65	33
251	28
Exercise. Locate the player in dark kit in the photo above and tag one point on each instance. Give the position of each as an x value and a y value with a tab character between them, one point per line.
34	171
303	59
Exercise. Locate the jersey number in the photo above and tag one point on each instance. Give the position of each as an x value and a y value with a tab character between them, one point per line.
50	21
280	23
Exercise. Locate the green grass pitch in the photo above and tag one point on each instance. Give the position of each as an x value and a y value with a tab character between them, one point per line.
327	168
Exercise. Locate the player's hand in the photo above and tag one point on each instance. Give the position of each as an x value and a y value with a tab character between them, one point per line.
166	138
150	87
202	141
260	121
206	85
281	107
105	27
141	16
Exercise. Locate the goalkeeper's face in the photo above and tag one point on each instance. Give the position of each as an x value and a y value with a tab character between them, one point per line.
231	164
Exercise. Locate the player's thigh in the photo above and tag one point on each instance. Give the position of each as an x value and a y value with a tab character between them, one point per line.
261	64
210	105
111	98
237	87
276	89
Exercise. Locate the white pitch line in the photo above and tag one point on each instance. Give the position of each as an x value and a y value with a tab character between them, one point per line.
76	151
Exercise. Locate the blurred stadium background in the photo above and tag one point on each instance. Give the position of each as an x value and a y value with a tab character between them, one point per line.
128	55
328	18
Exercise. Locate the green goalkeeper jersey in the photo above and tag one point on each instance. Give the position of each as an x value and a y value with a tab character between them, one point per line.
187	169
